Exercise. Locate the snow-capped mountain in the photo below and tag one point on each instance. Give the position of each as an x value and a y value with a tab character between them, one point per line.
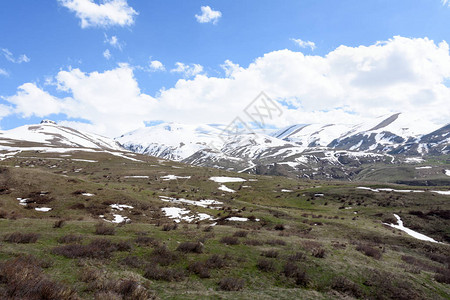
311	150
50	135
172	141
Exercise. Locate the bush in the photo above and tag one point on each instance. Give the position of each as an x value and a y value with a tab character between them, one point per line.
102	229
96	249
369	251
253	242
231	284
270	253
276	242
132	261
187	247
169	227
265	265
70	238
318	252
346	286
215	262
443	276
59	224
23	279
241	233
279	227
291	270
199	268
229	240
163	256
146	241
123	246
156	272
296	256
21	238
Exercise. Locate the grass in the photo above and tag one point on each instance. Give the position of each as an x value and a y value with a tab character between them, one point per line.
302	246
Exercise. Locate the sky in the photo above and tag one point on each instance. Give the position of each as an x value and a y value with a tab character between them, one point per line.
113	66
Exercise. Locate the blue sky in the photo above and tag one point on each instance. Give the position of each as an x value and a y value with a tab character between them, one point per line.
41	39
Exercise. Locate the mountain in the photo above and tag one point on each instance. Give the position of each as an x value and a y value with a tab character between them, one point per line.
51	137
305	150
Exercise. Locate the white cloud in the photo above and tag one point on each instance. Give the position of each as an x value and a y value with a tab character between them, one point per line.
3	72
113	41
446	2
304	44
347	85
10	57
208	15
108	13
107	54
156	65
230	68
187	70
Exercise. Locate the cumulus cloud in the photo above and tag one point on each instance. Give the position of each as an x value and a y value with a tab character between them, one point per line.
108	13
304	44
208	15
107	54
156	65
446	2
347	85
10	57
187	70
3	72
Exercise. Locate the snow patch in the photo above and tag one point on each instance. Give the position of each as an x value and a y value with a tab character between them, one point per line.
425	167
202	203
182	214
44	209
224	179
121	206
88	194
411	232
174	177
226	189
136	176
447	172
239	219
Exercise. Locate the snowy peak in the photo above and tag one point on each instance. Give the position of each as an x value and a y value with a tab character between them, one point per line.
49	134
171	140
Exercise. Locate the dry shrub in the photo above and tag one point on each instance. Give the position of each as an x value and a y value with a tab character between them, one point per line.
253	242
270	253
24	279
275	242
70	238
386	285
124	246
132	261
103	229
156	272
231	284
318	252
169	227
291	270
265	265
3	214
163	256
59	224
191	247
240	233
199	268
297	256
369	251
215	262
229	240
279	227
347	287
21	238
99	248
143	240
443	276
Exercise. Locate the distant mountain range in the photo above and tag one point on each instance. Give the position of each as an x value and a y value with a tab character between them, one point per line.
316	151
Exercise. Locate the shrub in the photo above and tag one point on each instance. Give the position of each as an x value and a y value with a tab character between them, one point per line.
102	229
253	242
346	286
187	247
123	246
229	240
21	238
215	262
296	256
24	279
59	224
199	268
96	249
163	256
369	251
231	284
279	227
270	253
132	261
318	252
443	276
276	242
265	265
291	270
70	238
146	241
169	227
241	233
156	272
